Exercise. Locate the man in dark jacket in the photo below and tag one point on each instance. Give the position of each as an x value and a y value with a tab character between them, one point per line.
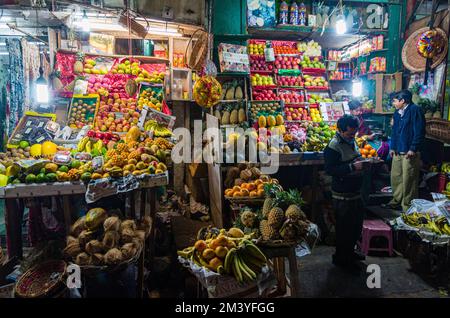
408	133
344	164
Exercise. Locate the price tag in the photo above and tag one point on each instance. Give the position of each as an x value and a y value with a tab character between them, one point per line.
324	111
40	139
28	131
346	108
269	54
28	123
41	124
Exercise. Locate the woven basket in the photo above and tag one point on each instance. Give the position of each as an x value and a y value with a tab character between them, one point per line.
199	49
246	200
439	129
41	281
411	58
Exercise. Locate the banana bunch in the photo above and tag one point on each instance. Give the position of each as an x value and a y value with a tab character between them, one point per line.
158	129
82	144
360	141
245	262
439	225
87	167
445	167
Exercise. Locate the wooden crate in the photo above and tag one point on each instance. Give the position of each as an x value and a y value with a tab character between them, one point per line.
386	83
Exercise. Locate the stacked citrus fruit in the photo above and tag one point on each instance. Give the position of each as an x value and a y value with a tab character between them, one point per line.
368	151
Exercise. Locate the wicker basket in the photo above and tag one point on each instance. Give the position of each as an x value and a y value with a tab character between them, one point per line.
411	58
253	201
42	281
439	129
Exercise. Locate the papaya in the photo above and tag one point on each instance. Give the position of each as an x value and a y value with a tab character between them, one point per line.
271	121
133	134
95	218
279	120
262	121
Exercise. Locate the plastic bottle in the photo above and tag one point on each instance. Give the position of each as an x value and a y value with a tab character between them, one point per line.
293	18
302	14
284	13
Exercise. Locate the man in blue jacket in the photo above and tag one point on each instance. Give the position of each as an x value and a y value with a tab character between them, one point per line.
408	133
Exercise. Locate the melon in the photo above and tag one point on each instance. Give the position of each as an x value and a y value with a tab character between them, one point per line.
49	148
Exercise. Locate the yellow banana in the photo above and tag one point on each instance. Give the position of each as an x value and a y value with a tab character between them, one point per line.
88	147
246	270
229	260
82	144
236	270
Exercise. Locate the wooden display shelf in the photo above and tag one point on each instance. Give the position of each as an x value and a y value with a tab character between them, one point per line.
36	190
148	59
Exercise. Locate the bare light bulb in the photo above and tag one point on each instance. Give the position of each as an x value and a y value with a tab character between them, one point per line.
341	26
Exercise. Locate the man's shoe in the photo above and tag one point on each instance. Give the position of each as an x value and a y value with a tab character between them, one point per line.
358	256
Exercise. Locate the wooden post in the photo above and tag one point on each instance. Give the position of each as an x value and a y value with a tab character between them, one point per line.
67	212
13	223
140	276
293	273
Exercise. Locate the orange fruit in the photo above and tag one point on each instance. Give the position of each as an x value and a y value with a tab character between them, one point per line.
260	187
236	188
369	156
229	192
245	193
253	194
373	152
251	187
364	156
368	147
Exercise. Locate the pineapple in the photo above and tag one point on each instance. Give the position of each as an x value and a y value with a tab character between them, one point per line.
74	174
248	218
134	155
110	153
268	232
294	213
276	217
289	231
117	160
78	65
121	147
234	119
268	204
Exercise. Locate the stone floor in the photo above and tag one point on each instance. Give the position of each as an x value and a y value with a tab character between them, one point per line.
320	278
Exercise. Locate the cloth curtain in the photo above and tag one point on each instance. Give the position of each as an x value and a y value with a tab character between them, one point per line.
17	89
4	97
30	60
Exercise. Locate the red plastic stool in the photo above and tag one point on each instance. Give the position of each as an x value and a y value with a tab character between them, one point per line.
372	228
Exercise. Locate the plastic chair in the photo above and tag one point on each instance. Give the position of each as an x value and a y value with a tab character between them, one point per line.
374	228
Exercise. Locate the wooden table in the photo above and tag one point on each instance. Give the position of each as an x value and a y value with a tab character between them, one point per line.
15	195
278	254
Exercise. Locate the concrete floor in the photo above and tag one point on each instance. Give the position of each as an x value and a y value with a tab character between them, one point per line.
320	278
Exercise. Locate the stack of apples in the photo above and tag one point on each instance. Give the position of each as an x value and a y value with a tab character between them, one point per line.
265	94
116	114
315	82
287	62
262	80
290	81
256	48
315	115
292	97
296	113
258	63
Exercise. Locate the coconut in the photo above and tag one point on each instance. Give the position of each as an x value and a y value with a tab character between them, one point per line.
113	257
112	224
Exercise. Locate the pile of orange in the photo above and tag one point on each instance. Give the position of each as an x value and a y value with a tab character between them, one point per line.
368	152
251	189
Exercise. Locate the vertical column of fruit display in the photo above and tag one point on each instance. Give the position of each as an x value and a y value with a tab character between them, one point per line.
266	108
231	111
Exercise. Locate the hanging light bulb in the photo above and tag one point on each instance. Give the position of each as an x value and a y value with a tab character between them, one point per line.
341	25
41	88
357	87
85	22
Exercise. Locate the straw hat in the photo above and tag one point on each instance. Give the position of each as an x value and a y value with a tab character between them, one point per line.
413	59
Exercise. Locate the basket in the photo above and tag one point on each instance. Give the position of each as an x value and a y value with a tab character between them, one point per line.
439	129
199	49
92	270
411	58
41	281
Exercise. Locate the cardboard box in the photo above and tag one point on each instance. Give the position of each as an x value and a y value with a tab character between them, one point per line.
386	83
